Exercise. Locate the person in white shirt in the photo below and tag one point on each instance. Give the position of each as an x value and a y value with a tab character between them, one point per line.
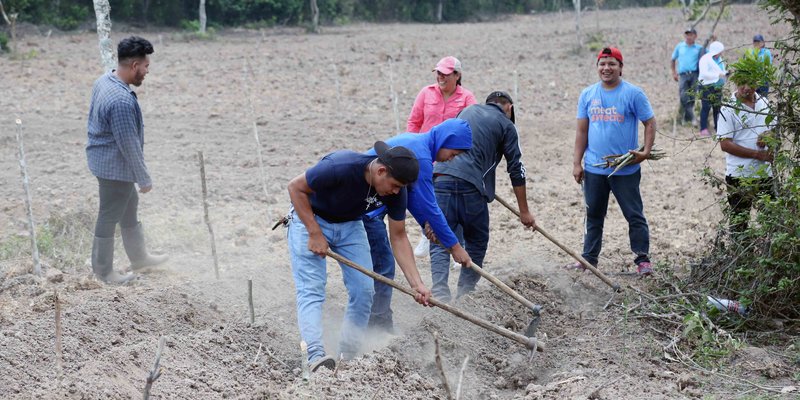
711	79
741	132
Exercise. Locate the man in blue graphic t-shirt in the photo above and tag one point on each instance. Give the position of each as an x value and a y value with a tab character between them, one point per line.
608	117
328	201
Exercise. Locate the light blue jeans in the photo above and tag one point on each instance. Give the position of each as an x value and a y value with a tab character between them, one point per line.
310	275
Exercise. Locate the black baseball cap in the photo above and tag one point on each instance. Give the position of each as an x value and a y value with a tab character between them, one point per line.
690	30
501	95
401	162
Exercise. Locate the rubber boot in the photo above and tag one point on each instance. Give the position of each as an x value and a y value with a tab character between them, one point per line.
103	262
133	241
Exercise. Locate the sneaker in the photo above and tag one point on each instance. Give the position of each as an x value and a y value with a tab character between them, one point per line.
644	268
704	133
324	361
575	267
423	248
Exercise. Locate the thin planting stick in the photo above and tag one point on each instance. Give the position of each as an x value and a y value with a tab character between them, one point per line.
258	139
205	214
338	90
461	377
59	353
155	372
250	301
393	93
23	169
439	366
516	87
258	353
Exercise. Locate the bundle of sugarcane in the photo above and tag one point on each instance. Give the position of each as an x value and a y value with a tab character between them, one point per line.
618	161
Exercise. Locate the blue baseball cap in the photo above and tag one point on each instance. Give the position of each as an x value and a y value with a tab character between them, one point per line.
758	38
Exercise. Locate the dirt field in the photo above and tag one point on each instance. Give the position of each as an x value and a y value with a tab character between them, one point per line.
313	94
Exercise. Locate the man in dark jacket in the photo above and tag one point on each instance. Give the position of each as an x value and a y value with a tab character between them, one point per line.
465	185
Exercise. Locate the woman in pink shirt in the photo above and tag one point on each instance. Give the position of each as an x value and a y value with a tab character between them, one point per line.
442	100
436	103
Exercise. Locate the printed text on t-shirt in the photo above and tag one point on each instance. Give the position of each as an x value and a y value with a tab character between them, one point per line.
604	114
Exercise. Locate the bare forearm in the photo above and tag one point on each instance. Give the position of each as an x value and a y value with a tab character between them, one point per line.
522	198
401	248
302	206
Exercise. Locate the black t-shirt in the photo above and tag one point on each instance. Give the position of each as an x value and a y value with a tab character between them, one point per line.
342	194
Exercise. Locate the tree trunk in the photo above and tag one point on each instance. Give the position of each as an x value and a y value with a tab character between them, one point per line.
439	11
102	11
314	16
577	4
203	16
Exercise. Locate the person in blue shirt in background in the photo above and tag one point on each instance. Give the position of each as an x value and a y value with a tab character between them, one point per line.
442	143
763	53
685	58
609	112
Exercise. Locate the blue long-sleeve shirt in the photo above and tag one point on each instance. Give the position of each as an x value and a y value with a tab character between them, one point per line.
115	147
450	134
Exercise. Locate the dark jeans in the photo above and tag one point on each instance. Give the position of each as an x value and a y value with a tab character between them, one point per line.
384	264
464	207
596	189
119	204
711	97
687	85
741	198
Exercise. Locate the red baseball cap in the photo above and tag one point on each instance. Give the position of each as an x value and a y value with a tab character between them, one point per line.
610	52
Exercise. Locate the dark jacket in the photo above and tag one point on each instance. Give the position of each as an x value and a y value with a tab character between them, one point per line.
493	137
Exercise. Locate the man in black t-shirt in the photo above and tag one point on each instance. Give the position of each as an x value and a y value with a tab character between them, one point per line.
328	201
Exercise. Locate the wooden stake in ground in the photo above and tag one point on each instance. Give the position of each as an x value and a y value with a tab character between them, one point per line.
155	372
23	169
102	11
257	137
439	366
393	94
59	354
205	213
461	377
250	301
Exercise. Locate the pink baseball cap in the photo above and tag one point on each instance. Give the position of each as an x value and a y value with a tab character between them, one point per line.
447	65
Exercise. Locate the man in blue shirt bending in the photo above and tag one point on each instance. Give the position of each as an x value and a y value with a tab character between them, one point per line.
609	112
115	153
328	202
443	143
685	59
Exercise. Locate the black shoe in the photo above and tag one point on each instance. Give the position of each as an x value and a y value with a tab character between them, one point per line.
325	361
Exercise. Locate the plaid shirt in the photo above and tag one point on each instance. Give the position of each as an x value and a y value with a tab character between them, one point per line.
115	149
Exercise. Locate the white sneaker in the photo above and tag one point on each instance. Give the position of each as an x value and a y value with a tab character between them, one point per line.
423	248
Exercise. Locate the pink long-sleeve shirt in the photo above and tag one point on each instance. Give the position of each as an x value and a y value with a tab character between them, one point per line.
431	109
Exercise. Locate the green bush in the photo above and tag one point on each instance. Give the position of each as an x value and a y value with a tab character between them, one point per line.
4	42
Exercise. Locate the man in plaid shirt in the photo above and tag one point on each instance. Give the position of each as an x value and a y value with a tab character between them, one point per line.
115	152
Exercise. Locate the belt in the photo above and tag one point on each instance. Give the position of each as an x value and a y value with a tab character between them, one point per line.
688	72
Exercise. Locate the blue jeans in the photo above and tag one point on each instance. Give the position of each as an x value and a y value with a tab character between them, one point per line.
626	190
711	97
310	275
687	85
465	208
384	264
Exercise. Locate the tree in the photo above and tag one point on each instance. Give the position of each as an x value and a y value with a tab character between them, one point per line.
314	16
202	16
11	20
102	11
